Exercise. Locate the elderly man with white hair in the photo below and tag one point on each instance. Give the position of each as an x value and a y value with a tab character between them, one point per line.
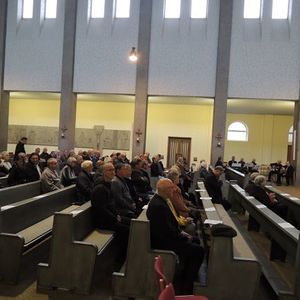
85	182
50	180
67	174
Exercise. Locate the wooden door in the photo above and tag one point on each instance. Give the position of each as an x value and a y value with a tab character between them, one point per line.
178	146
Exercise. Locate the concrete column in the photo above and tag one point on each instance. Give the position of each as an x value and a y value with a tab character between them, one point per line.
4	95
67	117
221	90
296	143
141	86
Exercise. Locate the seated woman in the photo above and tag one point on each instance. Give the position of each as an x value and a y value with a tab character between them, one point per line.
5	164
268	199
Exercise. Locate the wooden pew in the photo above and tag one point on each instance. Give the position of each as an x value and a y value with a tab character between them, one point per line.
137	278
230	254
3	181
75	246
27	224
293	204
284	233
241	178
20	192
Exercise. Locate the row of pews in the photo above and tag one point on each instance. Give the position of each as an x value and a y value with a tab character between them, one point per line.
283	234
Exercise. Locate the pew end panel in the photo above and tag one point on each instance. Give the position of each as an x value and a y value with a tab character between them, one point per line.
137	278
72	262
11	248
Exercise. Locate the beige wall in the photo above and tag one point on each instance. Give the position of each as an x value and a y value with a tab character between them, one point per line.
175	120
267	139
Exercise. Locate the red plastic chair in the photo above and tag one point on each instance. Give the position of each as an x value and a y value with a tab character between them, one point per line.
166	288
160	274
169	294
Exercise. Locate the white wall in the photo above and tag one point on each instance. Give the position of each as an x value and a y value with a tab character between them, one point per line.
33	57
265	55
102	49
183	52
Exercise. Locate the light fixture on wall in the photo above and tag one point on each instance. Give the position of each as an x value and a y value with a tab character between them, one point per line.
63	132
138	133
133	54
219	138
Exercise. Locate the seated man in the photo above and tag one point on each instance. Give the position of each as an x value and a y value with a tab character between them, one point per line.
268	200
124	203
85	182
104	210
50	180
166	234
140	179
17	174
5	164
250	186
32	168
232	161
67	175
213	186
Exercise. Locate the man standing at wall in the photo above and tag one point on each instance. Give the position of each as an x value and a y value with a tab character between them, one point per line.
20	147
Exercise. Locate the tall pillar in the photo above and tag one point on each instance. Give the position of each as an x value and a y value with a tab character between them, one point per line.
67	117
222	74
296	141
4	95
141	86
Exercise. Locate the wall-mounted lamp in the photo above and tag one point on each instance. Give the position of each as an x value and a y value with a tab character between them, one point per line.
133	54
138	133
63	131
219	138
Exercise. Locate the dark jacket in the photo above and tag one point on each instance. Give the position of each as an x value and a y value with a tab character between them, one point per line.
164	229
17	176
103	205
67	176
261	195
141	181
32	173
157	169
249	187
213	186
121	194
84	186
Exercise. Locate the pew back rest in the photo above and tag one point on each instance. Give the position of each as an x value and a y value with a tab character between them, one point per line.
3	181
20	192
280	230
18	216
82	221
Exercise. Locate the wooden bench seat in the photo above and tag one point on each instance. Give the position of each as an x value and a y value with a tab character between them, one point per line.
280	231
27	224
231	254
137	278
13	194
75	245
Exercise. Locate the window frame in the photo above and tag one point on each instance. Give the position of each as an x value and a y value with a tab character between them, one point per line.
116	10
246	131
25	17
254	17
165	10
199	17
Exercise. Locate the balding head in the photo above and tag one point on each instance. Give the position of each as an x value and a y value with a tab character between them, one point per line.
165	188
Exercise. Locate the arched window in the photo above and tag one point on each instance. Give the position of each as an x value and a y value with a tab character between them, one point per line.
237	131
291	133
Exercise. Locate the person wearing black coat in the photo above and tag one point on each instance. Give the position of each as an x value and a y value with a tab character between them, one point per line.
289	173
214	187
17	174
32	168
20	147
166	234
85	182
104	210
67	175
